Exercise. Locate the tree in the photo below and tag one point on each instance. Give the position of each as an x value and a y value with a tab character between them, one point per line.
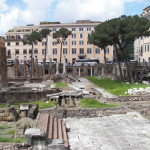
61	36
120	32
44	35
31	39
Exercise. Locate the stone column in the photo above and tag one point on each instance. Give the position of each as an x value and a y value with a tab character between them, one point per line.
50	67
25	70
63	102
36	68
91	71
102	72
16	68
64	65
3	65
32	68
79	72
57	69
43	67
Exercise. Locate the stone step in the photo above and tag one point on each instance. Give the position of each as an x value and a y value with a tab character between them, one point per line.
54	128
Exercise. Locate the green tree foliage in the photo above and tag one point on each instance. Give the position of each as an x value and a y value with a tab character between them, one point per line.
31	39
120	32
61	36
44	34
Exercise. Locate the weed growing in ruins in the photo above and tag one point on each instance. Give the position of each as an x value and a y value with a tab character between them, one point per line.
4	127
114	86
11	132
12	140
60	84
2	105
92	103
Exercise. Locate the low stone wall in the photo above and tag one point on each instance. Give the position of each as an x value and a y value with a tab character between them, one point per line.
24	96
130	98
87	113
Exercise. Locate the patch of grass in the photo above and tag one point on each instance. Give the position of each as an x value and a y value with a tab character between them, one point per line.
60	84
12	140
92	103
114	86
3	105
4	127
11	132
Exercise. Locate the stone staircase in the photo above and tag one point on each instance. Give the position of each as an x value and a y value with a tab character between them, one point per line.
55	129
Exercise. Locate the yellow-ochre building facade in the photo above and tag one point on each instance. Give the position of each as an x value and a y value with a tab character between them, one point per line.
76	45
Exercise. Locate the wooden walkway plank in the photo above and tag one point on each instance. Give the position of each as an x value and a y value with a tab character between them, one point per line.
45	123
65	135
55	129
59	129
50	131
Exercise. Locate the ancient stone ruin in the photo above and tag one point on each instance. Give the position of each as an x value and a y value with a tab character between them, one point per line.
13	113
3	65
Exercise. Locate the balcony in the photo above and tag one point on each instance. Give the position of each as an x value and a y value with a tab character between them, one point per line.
81	55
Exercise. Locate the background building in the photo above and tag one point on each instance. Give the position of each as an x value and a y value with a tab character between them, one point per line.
142	45
76	45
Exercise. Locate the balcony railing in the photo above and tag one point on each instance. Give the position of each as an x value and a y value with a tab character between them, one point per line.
81	55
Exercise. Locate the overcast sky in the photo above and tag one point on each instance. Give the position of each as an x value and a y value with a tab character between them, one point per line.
22	12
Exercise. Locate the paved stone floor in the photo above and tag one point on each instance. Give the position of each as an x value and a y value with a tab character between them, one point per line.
117	132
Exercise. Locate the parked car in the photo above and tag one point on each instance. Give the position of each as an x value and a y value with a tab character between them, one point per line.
10	62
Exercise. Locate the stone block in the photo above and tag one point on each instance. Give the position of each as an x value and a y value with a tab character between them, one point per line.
53	86
24	107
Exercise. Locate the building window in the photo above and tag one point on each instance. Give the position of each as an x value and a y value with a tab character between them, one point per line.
17	43
18	37
81	42
54	29
73	29
64	42
36	57
73	42
89	34
97	51
88	43
107	50
64	50
89	51
73	36
9	53
80	29
24	36
8	36
141	49
145	48
81	50
55	51
43	51
54	43
24	51
43	43
24	56
88	29
8	44
30	51
73	50
35	43
17	51
35	51
81	35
